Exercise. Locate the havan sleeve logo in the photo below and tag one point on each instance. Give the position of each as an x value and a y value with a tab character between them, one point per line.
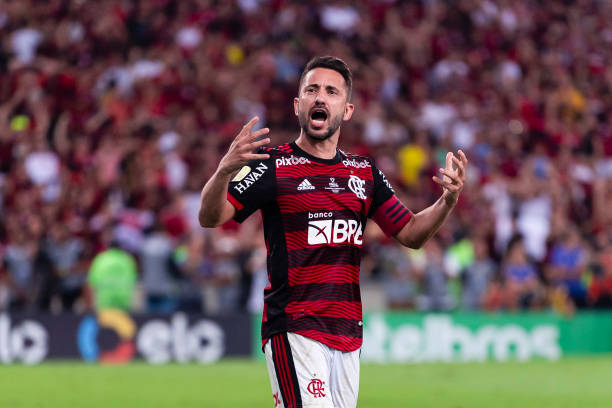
242	173
251	178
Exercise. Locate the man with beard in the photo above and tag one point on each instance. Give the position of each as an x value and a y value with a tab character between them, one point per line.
315	200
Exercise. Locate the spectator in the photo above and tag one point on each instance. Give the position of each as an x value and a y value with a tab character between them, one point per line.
159	276
64	252
4	285
196	268
397	268
20	256
568	262
521	283
477	276
434	295
257	268
112	279
600	291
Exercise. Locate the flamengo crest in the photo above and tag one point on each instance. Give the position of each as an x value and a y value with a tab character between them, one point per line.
357	186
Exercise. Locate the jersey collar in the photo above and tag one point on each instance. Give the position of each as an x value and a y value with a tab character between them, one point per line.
301	152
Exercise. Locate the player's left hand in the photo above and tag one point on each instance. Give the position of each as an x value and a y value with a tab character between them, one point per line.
453	176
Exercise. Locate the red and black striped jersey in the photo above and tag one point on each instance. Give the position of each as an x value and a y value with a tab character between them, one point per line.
314	214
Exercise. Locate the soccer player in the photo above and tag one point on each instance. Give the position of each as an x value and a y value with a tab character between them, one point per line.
315	200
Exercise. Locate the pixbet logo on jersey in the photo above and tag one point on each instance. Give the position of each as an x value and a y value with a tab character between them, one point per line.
333	231
358	164
291	161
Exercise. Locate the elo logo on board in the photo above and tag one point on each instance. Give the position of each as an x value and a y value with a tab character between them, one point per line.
27	341
115	320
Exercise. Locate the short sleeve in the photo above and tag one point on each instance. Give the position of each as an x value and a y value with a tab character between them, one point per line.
251	188
387	210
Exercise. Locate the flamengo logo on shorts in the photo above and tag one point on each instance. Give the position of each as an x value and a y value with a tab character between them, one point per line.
334	232
291	161
316	387
355	163
357	186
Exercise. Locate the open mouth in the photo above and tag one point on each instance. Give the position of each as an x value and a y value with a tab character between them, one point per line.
318	116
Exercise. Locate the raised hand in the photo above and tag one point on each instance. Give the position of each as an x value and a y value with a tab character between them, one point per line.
453	176
241	150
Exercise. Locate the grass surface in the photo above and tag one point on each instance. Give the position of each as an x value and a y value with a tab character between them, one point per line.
573	382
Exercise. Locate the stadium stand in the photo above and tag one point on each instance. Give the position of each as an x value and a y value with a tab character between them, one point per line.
113	114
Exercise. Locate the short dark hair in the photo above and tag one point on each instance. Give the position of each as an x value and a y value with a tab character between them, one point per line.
334	63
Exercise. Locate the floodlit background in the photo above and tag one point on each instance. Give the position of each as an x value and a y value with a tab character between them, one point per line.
113	114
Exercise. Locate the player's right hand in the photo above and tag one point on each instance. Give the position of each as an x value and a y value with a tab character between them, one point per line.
242	149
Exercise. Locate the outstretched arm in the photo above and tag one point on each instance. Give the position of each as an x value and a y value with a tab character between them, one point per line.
215	209
424	224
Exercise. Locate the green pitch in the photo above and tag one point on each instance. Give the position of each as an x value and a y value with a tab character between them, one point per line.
573	382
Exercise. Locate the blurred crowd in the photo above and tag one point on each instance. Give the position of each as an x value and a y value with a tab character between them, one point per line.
114	113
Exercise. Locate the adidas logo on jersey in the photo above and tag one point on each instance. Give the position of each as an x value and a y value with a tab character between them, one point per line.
305	185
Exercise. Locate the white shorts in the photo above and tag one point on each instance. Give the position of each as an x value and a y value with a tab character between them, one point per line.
306	373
